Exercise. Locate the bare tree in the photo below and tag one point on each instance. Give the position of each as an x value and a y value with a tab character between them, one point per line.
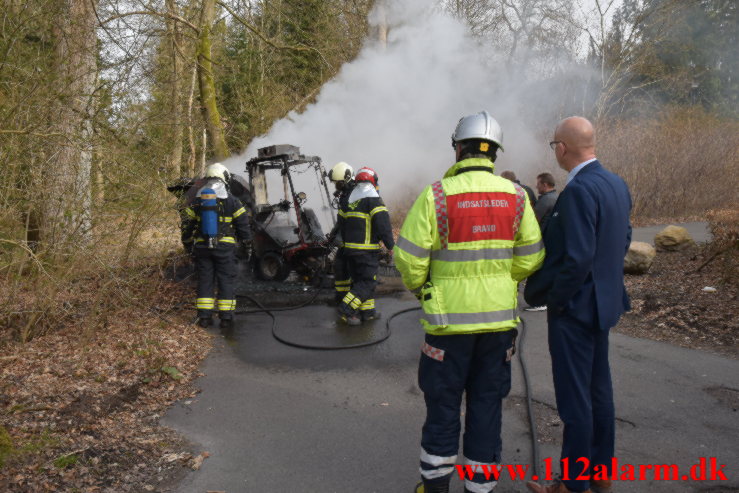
616	44
175	40
67	211
207	82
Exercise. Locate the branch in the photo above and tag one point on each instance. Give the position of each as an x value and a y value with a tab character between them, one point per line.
270	42
154	13
29	132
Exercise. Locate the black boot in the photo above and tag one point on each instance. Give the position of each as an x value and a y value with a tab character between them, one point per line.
435	486
227	323
205	322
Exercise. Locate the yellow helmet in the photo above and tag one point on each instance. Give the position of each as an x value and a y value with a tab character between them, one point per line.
341	172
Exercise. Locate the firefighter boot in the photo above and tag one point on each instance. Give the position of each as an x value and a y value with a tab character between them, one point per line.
205	322
556	487
437	486
227	323
601	485
351	320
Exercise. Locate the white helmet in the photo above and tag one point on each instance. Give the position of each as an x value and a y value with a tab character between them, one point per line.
217	170
480	126
341	172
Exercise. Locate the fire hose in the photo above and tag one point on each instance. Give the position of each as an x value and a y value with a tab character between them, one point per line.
520	350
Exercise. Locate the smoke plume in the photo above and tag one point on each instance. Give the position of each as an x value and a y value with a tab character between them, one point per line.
394	108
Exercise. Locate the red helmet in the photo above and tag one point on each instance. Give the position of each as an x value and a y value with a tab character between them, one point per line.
367	174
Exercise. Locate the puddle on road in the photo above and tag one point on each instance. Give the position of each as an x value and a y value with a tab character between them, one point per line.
318	325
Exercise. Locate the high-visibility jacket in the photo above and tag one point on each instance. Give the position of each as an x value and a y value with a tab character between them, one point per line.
364	221
233	220
464	246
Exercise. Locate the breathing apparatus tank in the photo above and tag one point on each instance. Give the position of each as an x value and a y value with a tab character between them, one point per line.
209	216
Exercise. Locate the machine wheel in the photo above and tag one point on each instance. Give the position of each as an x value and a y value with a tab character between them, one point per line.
272	267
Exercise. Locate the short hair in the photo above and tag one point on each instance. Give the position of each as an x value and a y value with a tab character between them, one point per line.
546	178
508	175
478	148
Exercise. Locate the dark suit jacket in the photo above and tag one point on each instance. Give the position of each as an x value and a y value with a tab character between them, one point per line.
586	240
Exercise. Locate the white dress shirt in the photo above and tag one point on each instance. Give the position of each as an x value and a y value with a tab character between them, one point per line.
577	169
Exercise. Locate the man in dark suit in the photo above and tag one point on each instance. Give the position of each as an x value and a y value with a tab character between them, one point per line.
582	285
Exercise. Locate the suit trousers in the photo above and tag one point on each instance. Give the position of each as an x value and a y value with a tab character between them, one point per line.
450	366
216	267
584	393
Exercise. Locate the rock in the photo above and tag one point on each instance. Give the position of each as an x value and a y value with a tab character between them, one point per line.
673	238
639	258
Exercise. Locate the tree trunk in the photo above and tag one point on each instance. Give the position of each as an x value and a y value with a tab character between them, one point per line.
382	28
207	84
67	216
175	39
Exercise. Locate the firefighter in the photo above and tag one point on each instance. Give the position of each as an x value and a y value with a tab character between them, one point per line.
363	222
215	257
466	243
342	175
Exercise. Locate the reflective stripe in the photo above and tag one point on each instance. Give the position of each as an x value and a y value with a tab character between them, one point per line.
239	212
225	219
226	305
436	473
368	305
225	239
470	255
521	198
470	318
520	251
342	289
343	283
408	246
205	303
442	221
473	487
351	300
362	246
474	463
360	215
377	209
190	212
437	460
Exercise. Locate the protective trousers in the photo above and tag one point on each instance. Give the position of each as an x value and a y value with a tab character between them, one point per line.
582	386
342	278
216	266
478	364
361	296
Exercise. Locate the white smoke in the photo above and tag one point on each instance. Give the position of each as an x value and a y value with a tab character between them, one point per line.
394	109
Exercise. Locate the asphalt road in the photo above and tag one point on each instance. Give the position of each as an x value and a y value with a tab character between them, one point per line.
698	231
276	418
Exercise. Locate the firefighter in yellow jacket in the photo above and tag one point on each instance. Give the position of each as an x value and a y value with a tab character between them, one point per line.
467	242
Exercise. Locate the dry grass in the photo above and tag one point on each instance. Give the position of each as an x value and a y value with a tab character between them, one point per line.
681	163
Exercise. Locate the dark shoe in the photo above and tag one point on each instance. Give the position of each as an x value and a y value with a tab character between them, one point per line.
432	487
374	316
226	323
351	320
556	487
601	485
205	322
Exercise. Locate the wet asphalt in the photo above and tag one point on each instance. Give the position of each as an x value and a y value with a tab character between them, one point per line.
276	418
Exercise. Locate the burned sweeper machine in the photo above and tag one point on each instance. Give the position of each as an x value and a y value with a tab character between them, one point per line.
287	234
